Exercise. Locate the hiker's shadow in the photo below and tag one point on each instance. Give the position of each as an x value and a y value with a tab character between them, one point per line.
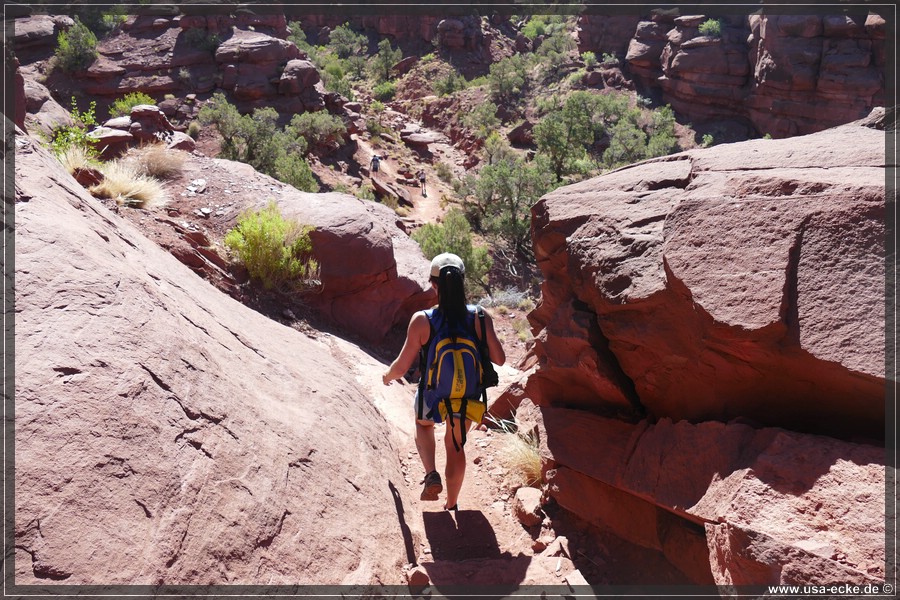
465	553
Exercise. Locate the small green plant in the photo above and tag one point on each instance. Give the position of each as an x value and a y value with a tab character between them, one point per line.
76	135
609	59
201	39
375	128
295	171
455	235
275	251
194	128
768	136
535	27
76	48
427	58
519	452
453	82
366	192
385	91
711	28
123	106
707	140
589	58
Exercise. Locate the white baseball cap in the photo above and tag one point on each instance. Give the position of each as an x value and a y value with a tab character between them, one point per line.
446	260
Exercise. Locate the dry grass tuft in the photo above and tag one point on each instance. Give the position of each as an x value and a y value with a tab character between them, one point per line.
77	157
519	452
157	161
128	186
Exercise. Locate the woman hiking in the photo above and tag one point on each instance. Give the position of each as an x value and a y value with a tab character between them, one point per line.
447	276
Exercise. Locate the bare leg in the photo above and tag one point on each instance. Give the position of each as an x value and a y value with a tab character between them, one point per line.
425	444
456	461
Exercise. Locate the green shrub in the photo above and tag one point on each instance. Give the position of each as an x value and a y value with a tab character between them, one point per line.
609	59
589	58
345	42
711	28
295	171
65	138
375	128
535	27
385	91
194	129
455	235
366	192
320	129
384	60
76	48
707	140
123	106
507	76
453	82
482	119
201	39
444	172
274	250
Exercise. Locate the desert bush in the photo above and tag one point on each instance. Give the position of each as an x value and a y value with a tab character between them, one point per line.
320	129
707	140
123	106
124	183
507	77
294	170
453	82
519	452
455	235
589	58
385	91
69	136
194	129
609	59
275	251
102	19
536	26
76	48
201	39
345	42
711	27
366	192
157	161
482	119
384	60
444	172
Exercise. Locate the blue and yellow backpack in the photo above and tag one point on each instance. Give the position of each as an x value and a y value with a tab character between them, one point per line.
453	378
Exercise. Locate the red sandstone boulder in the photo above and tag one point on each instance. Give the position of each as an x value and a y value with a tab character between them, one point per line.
747	280
255	48
660	485
166	434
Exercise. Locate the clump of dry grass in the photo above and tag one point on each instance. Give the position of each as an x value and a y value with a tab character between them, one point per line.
77	157
157	161
128	186
519	452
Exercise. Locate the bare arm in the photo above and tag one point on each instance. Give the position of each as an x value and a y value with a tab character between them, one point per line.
416	335
498	356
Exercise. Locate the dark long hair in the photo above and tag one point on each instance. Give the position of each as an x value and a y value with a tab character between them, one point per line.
452	298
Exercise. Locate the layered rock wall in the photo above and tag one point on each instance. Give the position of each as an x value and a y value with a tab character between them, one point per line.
709	365
785	74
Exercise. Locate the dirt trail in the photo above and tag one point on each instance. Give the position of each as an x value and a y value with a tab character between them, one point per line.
481	544
426	208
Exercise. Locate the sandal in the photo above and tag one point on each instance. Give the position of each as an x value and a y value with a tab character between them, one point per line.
454	508
433	486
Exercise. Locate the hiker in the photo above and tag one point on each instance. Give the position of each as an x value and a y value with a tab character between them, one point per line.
447	276
421	177
376	160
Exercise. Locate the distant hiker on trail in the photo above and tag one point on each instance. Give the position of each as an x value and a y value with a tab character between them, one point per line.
452	335
421	177
376	160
